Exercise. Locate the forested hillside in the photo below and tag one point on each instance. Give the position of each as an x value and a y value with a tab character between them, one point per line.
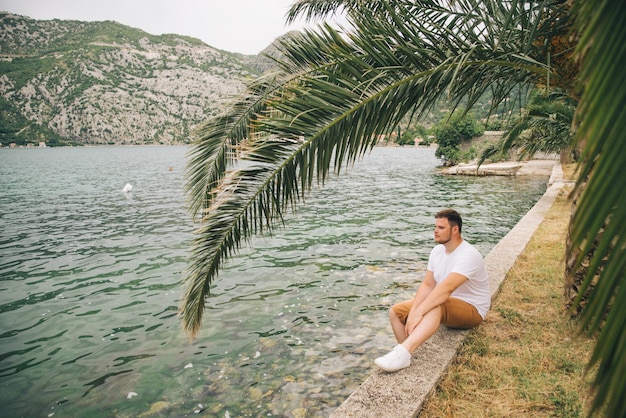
76	83
71	82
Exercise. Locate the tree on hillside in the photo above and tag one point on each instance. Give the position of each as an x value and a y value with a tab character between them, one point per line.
335	94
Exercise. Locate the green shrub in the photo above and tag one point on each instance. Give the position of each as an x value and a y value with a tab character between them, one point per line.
451	132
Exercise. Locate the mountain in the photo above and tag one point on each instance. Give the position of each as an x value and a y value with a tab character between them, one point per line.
66	82
73	82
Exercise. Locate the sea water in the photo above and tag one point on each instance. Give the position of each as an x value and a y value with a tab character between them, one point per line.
91	281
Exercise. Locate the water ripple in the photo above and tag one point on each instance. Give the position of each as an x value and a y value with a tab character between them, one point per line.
90	281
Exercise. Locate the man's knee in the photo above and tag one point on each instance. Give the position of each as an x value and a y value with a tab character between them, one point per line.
396	318
393	315
400	310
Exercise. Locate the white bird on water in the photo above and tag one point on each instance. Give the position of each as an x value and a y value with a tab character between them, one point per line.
127	188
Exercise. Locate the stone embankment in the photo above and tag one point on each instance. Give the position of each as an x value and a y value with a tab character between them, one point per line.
403	393
506	168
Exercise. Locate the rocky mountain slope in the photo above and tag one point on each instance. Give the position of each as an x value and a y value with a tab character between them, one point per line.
72	82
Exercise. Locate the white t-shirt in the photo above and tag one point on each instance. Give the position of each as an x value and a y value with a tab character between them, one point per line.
465	260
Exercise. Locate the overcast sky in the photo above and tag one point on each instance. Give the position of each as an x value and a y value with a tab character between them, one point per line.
245	26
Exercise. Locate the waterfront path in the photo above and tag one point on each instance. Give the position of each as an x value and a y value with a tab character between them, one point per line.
402	394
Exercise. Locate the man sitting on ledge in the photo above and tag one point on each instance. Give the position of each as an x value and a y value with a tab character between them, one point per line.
455	291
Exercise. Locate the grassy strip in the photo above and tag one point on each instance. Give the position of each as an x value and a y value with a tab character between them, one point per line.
526	359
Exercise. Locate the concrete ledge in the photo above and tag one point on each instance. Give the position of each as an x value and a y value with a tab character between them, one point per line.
402	394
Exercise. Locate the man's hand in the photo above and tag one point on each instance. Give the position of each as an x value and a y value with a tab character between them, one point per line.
412	321
431	298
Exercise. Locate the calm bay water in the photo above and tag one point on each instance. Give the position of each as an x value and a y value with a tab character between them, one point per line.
90	282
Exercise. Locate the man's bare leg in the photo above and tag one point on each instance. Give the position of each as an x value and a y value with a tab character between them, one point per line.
397	326
400	356
424	330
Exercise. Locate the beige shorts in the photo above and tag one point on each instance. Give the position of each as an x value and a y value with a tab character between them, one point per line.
455	313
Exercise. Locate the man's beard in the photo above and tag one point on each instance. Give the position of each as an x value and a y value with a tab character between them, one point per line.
440	241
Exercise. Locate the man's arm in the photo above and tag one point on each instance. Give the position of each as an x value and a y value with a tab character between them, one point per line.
425	289
427	286
437	296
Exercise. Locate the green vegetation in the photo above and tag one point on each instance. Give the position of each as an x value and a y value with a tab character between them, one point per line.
21	70
411	133
454	131
546	124
17	129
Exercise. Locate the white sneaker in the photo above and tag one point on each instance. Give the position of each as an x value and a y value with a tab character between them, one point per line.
396	359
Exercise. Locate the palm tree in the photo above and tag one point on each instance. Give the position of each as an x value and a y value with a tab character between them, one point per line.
598	225
334	93
546	125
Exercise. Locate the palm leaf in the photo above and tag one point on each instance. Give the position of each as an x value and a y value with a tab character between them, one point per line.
332	98
216	147
545	126
601	211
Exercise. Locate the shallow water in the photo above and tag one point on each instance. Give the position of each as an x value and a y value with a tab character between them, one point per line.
90	282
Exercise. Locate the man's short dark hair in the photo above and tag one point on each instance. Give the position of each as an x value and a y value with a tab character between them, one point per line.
453	217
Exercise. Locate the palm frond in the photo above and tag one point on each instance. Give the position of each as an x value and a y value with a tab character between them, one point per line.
335	94
601	211
544	126
313	10
316	10
217	143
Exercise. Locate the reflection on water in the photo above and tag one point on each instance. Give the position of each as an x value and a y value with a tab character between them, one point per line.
90	281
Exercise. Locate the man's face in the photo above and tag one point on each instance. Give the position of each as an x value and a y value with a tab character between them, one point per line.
443	231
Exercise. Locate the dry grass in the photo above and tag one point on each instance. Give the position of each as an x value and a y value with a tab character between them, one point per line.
526	360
